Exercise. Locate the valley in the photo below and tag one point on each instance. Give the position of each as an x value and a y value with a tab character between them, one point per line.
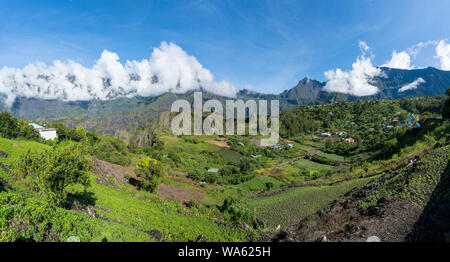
339	170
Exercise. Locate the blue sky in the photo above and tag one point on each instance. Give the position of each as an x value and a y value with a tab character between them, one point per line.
268	45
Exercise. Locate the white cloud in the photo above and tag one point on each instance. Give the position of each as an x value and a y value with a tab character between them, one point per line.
363	47
415	49
170	69
357	81
443	54
403	59
400	60
415	84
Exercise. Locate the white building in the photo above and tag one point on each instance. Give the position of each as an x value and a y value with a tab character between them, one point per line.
44	132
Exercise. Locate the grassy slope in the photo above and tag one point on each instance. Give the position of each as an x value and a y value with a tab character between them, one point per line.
135	212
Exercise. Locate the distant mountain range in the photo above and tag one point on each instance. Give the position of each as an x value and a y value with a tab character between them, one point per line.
433	82
128	113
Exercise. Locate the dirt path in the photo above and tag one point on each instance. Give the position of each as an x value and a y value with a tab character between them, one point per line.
289	161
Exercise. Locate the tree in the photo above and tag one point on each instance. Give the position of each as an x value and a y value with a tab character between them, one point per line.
150	171
8	125
81	132
53	170
27	131
445	111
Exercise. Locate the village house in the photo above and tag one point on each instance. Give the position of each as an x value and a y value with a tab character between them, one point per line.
350	140
326	134
45	132
412	121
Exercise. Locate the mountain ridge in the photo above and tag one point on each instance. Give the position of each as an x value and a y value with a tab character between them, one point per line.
129	113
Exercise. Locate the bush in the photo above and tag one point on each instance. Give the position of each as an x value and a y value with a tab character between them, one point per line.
26	131
150	171
244	165
112	150
8	125
53	170
238	210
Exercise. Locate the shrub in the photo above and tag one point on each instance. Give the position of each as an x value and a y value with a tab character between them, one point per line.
53	170
150	171
244	165
238	210
112	150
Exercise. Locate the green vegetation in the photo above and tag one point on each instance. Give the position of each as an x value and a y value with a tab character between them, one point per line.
417	183
11	127
225	188
150	171
445	111
296	203
51	171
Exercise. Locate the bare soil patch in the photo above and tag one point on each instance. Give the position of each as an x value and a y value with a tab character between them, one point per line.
105	169
219	143
176	173
180	194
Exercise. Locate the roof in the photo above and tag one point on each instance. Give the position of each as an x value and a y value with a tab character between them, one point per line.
36	126
213	170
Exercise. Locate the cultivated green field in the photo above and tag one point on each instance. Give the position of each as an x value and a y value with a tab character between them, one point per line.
296	203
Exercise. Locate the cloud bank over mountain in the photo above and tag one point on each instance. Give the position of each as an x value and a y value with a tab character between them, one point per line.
169	69
400	60
357	81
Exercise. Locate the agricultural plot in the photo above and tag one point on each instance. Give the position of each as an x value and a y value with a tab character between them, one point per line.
333	157
229	155
310	165
296	203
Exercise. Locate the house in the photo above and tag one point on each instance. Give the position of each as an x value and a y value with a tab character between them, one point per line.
290	145
213	170
45	132
276	147
412	121
350	140
326	134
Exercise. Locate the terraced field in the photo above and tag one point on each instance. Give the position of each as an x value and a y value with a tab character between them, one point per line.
333	157
310	165
296	203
